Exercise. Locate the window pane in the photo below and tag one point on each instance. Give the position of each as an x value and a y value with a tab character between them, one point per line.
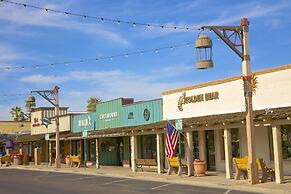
195	145
286	141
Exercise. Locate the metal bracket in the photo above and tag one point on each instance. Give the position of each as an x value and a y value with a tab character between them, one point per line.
46	94
231	35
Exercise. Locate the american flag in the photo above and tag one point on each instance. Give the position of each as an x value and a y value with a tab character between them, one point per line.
171	140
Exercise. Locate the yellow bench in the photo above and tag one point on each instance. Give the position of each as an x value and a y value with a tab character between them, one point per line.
75	159
176	165
241	165
5	160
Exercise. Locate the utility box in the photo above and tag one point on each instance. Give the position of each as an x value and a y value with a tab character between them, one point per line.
37	156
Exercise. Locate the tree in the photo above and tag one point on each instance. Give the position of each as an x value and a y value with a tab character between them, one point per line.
91	104
17	114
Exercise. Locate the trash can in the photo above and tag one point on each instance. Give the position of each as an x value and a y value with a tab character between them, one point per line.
18	160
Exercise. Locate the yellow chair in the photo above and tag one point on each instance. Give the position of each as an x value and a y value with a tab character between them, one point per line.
241	166
176	165
75	159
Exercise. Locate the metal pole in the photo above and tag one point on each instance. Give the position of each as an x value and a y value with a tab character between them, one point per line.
56	96
246	70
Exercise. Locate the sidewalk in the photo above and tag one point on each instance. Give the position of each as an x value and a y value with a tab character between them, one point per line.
213	179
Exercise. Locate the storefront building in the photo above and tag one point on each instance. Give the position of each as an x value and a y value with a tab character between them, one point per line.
143	141
81	145
38	127
10	130
213	115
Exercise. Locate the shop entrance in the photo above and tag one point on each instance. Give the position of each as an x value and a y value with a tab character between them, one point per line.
109	151
210	150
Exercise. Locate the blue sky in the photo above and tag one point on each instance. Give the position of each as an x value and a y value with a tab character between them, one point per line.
29	37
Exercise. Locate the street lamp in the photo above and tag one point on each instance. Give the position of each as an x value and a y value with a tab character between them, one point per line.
204	52
236	37
52	96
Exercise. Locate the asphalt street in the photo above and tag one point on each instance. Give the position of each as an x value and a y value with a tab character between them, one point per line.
14	181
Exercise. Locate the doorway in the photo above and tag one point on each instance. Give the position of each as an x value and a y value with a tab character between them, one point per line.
210	150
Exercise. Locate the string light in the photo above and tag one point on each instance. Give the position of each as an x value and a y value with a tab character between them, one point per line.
111	57
118	21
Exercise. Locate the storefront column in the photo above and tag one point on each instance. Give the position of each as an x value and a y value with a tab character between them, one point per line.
50	152
85	151
189	153
71	151
133	150
80	148
277	144
160	153
202	145
228	153
97	153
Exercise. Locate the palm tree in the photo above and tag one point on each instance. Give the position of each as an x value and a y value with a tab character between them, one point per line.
91	104
17	114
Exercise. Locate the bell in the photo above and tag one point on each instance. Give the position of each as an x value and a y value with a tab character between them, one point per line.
204	52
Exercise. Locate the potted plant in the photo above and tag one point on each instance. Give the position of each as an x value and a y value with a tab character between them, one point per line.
199	167
68	160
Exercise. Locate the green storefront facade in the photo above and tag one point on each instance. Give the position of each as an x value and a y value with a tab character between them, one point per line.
116	114
112	150
140	114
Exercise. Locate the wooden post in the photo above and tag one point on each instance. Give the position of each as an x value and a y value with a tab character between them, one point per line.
97	153
160	153
50	153
189	153
228	153
133	149
277	144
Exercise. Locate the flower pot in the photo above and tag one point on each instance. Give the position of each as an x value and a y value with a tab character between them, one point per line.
199	167
68	160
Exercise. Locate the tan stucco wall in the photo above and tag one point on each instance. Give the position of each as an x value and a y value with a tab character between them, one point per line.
11	127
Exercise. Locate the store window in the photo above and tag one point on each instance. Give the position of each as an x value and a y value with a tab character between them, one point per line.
270	136
286	141
234	143
195	145
149	146
181	146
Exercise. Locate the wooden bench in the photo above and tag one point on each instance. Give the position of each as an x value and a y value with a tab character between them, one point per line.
75	159
5	160
176	165
241	167
144	162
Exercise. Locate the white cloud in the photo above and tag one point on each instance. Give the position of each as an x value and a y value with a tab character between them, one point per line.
110	84
7	52
25	16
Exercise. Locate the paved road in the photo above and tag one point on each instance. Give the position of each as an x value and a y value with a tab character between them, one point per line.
14	181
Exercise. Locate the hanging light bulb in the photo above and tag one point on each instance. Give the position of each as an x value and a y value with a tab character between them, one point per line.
157	50
118	22
66	13
134	24
52	65
102	20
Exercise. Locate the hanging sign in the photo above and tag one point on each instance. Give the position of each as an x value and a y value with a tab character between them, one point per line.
47	136
84	133
179	124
